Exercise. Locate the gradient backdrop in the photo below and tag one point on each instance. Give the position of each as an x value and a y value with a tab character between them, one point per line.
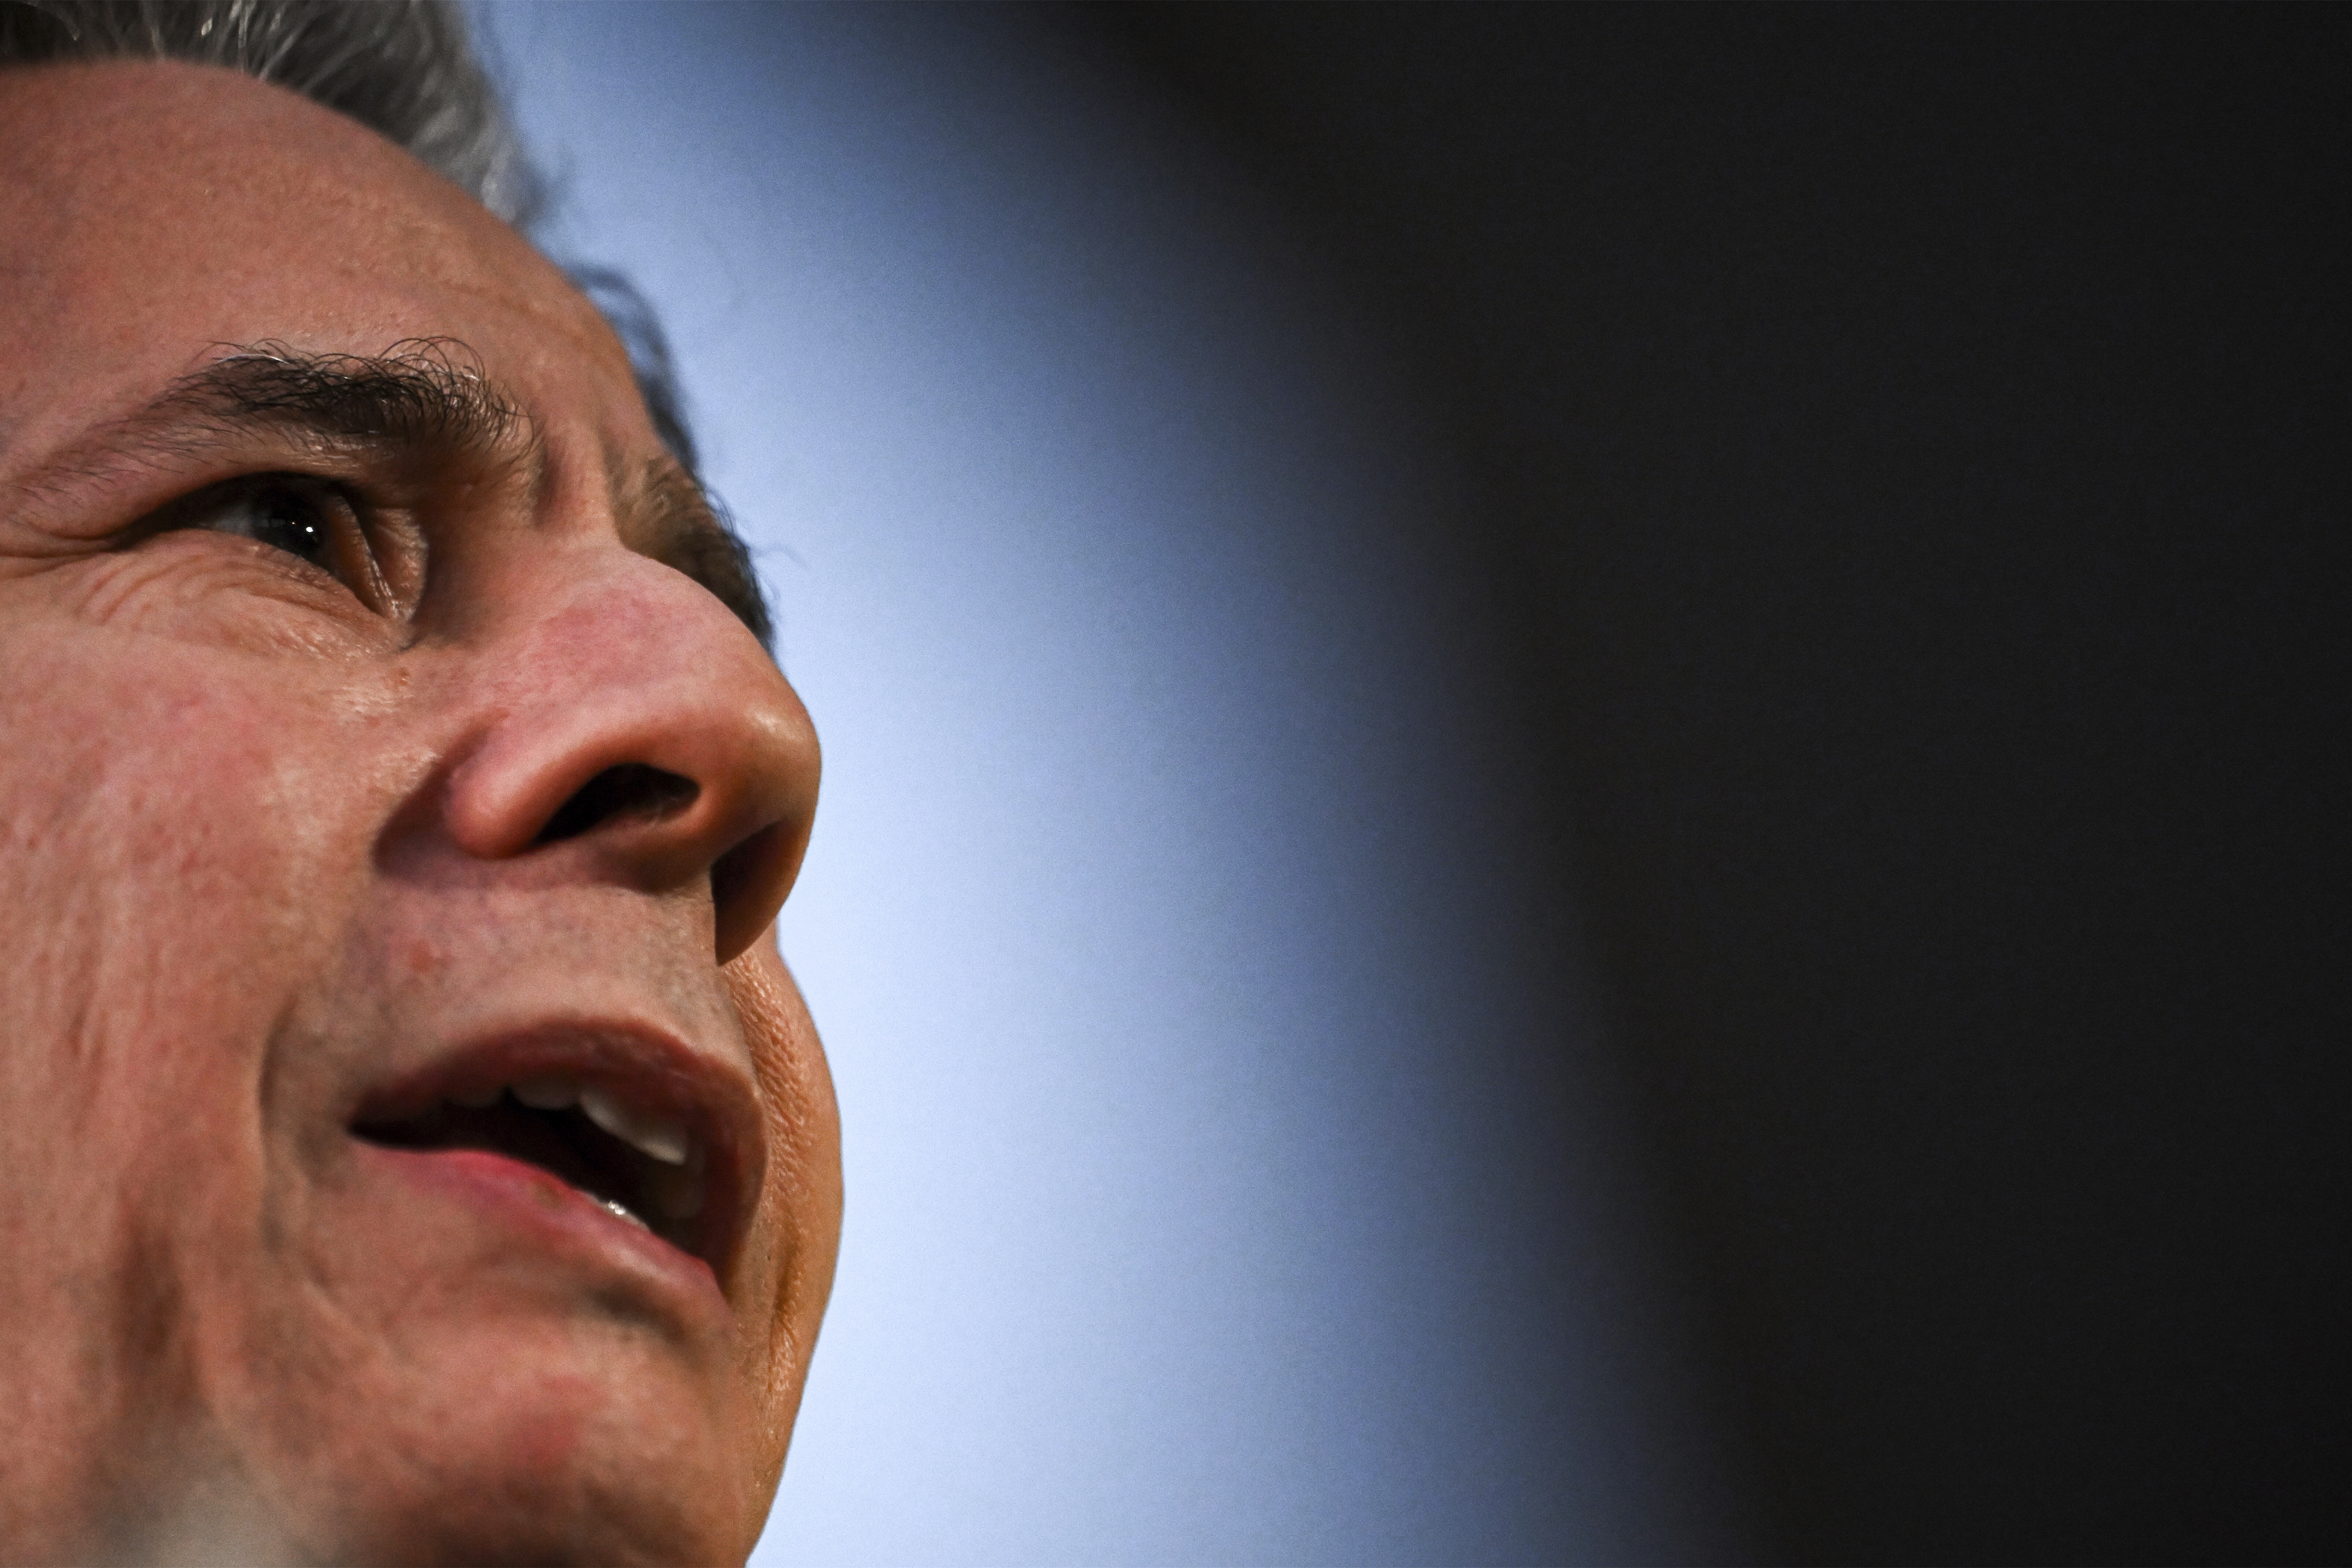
1229	1178
1586	764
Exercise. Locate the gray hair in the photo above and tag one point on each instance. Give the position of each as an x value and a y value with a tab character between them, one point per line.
405	68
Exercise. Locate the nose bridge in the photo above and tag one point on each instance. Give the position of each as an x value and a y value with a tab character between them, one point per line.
636	672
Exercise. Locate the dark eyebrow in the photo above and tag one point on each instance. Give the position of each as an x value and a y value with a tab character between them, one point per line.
420	402
421	393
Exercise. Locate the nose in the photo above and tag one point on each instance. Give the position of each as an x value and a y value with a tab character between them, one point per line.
638	728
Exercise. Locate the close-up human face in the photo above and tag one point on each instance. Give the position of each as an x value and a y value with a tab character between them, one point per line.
418	1150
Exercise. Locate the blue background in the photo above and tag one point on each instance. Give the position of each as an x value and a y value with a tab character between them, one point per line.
1165	919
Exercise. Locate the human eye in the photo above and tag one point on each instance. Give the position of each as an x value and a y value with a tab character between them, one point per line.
311	520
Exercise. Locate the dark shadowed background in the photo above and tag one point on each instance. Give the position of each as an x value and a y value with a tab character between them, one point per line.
1582	763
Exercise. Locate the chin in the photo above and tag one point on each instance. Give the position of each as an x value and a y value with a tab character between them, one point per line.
555	1459
483	1427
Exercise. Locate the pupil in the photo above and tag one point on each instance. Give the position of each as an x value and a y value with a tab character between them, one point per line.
289	525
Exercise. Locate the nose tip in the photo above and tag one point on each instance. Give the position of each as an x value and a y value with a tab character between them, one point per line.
641	732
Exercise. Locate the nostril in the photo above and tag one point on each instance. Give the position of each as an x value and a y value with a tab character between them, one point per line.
633	790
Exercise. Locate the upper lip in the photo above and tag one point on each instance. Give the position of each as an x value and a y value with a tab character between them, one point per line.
649	1070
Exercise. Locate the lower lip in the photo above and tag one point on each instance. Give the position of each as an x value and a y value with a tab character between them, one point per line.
554	1216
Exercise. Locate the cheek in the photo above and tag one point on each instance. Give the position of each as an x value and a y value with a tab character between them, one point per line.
164	885
800	1231
165	882
163	838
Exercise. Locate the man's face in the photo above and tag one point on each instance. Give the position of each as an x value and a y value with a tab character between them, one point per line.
370	752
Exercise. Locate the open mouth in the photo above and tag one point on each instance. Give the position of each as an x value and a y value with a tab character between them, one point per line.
640	1166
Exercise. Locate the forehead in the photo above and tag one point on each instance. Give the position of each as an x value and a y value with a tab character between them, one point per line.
151	212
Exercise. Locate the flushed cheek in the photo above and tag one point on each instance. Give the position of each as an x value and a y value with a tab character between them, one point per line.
167	876
160	899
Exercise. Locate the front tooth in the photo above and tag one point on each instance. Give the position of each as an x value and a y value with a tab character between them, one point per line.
547	1093
652	1136
663	1140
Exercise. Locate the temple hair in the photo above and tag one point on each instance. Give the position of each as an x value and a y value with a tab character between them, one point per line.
405	68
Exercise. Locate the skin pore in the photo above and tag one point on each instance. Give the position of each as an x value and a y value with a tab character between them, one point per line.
382	725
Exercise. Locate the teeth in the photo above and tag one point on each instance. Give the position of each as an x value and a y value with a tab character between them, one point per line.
622	1211
547	1093
655	1137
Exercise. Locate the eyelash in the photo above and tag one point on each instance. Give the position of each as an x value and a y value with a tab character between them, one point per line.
342	546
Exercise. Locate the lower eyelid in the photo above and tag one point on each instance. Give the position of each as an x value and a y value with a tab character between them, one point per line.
377	553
